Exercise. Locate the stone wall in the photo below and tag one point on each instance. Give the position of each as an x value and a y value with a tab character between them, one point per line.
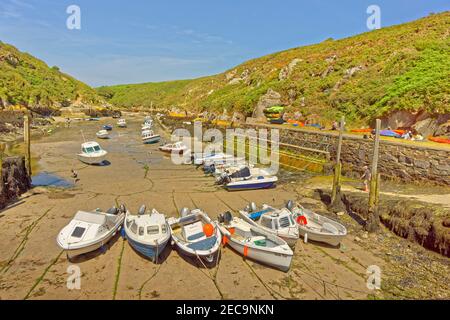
14	180
397	161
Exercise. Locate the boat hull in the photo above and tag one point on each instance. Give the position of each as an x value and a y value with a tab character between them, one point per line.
274	259
149	251
92	160
333	240
250	186
151	140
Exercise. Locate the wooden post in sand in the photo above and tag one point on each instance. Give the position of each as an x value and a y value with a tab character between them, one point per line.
27	140
338	167
373	218
2	151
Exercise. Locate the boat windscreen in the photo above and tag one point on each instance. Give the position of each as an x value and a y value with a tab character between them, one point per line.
97	148
152	230
78	232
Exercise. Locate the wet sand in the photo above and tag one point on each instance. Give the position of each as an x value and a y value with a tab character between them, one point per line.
32	266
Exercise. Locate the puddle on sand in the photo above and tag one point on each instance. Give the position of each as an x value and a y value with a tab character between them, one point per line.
45	179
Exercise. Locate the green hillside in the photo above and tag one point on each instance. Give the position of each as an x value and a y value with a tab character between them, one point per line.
29	82
404	67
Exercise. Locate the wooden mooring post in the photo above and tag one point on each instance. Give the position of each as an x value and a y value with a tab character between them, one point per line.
373	220
338	167
2	153
27	140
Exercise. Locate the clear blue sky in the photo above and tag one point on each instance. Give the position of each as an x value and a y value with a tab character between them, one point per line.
147	40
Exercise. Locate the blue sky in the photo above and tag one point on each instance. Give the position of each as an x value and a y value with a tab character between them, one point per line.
148	40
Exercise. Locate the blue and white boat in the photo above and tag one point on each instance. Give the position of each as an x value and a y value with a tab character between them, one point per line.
260	182
147	233
244	179
108	127
149	137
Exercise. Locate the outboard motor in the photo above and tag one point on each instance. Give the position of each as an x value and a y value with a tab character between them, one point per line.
184	212
142	210
226	217
223	179
122	208
290	205
253	207
113	210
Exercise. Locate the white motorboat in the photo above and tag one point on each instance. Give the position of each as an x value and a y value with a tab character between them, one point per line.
177	147
149	137
196	235
147	233
89	231
92	153
254	242
122	123
244	180
317	227
102	134
248	170
278	222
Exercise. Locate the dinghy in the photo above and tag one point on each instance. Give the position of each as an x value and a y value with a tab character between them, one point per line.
317	227
107	127
196	235
102	134
147	233
149	137
242	171
177	147
254	242
278	222
122	123
88	231
92	153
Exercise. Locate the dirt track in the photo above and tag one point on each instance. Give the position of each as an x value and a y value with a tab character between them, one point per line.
33	267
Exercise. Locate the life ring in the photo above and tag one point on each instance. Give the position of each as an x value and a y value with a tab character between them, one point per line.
301	220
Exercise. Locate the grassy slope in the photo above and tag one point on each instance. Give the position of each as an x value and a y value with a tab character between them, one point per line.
405	67
27	81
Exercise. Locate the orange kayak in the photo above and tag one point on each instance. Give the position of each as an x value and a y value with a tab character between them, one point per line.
439	140
361	130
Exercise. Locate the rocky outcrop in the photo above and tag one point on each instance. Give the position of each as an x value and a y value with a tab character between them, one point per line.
286	71
244	77
347	75
270	99
14	180
421	122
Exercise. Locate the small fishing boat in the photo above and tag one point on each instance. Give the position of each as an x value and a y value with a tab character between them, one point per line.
108	127
147	233
196	235
278	222
122	123
149	137
316	227
177	147
200	159
254	242
102	134
242	172
89	231
92	153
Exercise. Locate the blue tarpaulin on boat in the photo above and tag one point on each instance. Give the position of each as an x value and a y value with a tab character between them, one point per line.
256	215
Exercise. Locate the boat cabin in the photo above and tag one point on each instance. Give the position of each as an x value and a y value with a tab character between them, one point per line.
148	134
274	219
90	147
148	226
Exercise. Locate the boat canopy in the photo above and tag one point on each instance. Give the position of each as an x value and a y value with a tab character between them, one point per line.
90	147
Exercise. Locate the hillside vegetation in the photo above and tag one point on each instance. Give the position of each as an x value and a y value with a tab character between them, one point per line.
29	82
404	67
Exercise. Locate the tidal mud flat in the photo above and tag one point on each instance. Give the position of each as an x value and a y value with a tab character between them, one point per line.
33	267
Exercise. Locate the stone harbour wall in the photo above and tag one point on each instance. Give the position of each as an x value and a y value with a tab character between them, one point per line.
14	180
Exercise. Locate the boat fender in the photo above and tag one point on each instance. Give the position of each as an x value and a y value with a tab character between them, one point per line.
122	233
122	208
184	212
245	251
208	229
301	220
224	240
305	238
253	207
